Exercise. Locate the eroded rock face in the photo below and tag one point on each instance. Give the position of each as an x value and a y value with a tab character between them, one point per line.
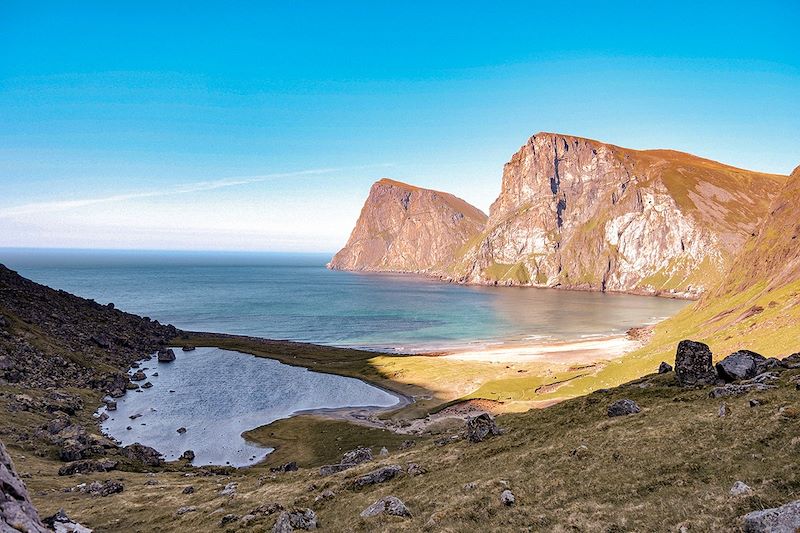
574	213
17	513
403	228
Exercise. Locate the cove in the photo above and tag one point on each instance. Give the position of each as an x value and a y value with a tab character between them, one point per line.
218	394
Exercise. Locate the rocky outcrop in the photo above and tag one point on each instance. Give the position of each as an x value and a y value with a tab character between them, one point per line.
574	213
403	228
17	513
578	213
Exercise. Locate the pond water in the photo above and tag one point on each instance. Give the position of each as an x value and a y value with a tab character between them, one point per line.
218	394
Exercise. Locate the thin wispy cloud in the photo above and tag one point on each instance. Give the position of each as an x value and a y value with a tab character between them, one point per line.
35	208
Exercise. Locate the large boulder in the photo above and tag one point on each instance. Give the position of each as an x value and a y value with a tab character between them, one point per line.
166	355
349	460
481	427
693	364
739	365
380	475
84	467
783	519
17	513
387	505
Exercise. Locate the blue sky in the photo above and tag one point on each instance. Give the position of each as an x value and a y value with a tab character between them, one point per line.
261	126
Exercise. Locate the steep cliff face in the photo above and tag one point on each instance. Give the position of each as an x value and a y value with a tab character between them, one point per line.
577	213
403	228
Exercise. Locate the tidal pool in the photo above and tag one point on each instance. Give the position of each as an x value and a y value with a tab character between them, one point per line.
218	394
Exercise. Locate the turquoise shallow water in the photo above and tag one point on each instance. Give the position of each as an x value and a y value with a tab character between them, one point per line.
293	296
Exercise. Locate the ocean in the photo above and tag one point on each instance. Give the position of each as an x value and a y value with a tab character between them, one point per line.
294	297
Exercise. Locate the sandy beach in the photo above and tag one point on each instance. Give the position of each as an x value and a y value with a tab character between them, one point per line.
565	352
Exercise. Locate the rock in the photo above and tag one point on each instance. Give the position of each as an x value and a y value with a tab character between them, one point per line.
326	494
188	348
288	467
188	455
131	386
17	513
754	402
151	482
390	505
771	363
117	393
111	405
100	340
188	490
166	355
739	365
380	475
142	454
57	425
406	444
73	450
481	427
184	510
384	452
357	456
181	430
105	488
61	523
623	407
724	410
507	498
693	364
267	509
135	416
229	490
296	519
138	376
737	389
87	466
147	385
783	519
413	469
740	488
229	518
664	367
349	460
470	486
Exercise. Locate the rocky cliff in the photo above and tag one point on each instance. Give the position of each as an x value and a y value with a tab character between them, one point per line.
403	228
582	214
574	213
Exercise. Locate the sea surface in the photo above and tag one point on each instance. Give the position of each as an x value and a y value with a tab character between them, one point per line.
218	394
293	296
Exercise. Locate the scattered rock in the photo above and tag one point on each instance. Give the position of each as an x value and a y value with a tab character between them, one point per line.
111	405
349	460
87	466
267	509
664	367
390	505
380	475
693	364
147	385
142	454
61	523
184	510
188	490
188	348
188	455
481	427
166	356
507	498
413	469
229	490
296	519
755	403
623	407
384	452
737	389
151	482
229	518
105	488
406	444
783	519
181	430
288	467
740	488
138	376
326	494
724	410
470	486
739	365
